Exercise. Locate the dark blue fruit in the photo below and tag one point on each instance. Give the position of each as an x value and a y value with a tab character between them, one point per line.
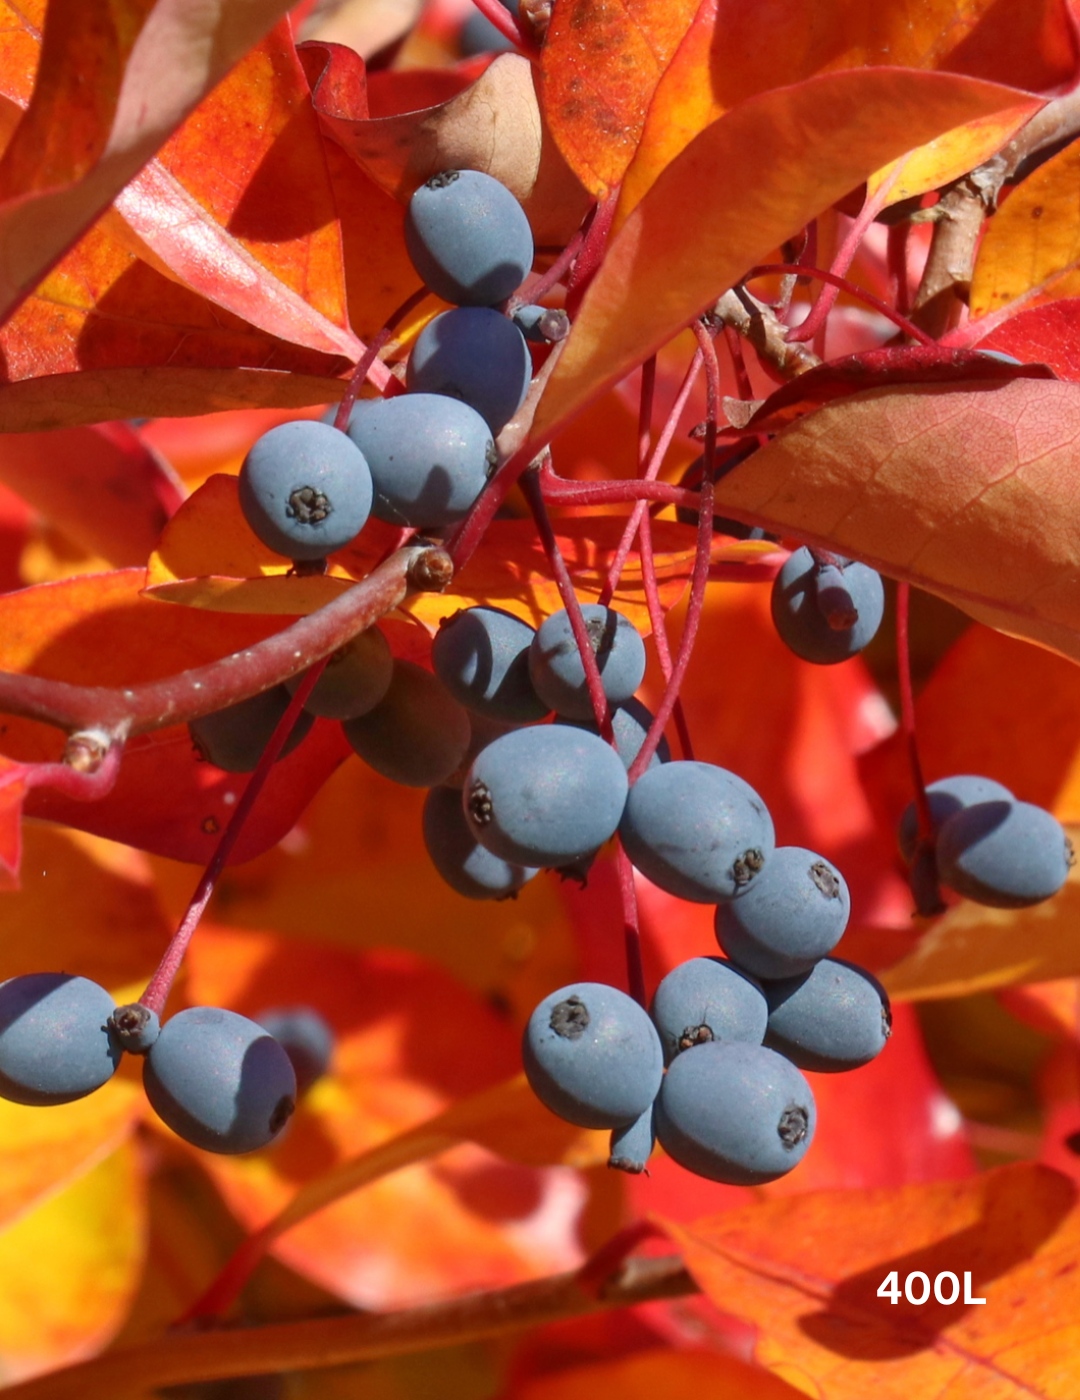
481	655
832	1018
476	355
558	674
632	1146
135	1027
483	732
234	738
794	913
417	734
826	629
697	831
630	723
947	796
468	238
305	489
55	1044
1004	854
592	1056
305	1037
461	861
545	796
735	1113
707	999
430	457
219	1080
354	680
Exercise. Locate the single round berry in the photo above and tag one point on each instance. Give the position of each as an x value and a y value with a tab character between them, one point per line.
481	655
417	734
833	1018
234	738
305	489
630	723
945	797
476	355
354	679
807	623
592	1056
545	796
468	238
794	913
219	1080
1004	854
735	1113
558	673
430	457
542	325
697	831
459	858
707	999
55	1044
632	1146
135	1027
304	1036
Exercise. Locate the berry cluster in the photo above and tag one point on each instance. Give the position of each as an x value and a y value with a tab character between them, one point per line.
220	1080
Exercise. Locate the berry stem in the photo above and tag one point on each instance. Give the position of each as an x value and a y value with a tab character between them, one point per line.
587	263
804	270
509	25
530	485
635	973
371	354
556	272
602	1266
925	887
897	262
733	341
159	986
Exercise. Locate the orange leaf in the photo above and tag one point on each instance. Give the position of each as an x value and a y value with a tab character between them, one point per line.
653	1373
195	46
238	205
786	155
1031	249
599	67
968	491
806	1272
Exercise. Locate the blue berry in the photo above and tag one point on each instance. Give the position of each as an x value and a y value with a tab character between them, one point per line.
135	1027
826	619
543	325
592	1056
481	655
234	738
697	831
219	1080
55	1044
632	1146
545	796
304	1036
833	1018
707	999
468	238
555	664
482	732
1004	854
476	355
947	796
354	680
478	35
735	1113
630	723
305	489
461	861
417	734
430	457
794	913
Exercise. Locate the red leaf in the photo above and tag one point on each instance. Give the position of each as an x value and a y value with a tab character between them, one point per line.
1048	334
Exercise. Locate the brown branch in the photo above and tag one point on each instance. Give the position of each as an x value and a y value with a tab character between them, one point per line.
138	709
758	323
337	1341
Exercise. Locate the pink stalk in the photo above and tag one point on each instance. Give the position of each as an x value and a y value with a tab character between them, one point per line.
513	28
908	327
367	360
924	876
558	269
635	973
733	341
588	260
530	485
896	257
159	986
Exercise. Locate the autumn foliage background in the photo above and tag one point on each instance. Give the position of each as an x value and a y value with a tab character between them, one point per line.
200	228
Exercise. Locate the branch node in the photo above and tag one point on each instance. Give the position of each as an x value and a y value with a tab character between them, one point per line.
85	750
432	571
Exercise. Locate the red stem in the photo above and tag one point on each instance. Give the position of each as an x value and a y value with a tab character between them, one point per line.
555	273
509	25
597	1270
897	262
635	973
371	354
159	986
733	341
907	712
588	260
908	327
530	486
